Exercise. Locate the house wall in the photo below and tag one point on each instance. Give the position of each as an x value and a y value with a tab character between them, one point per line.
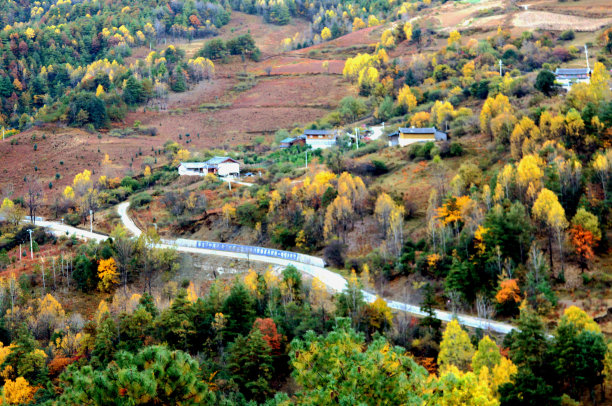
321	143
184	171
228	168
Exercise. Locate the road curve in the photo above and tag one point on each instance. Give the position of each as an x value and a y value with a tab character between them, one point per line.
332	280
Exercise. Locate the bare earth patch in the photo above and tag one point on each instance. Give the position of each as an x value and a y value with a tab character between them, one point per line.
558	22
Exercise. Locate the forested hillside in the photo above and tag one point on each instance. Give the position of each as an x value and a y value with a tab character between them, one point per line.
467	182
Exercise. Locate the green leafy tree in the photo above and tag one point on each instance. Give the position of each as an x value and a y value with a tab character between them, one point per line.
455	348
132	93
487	355
545	82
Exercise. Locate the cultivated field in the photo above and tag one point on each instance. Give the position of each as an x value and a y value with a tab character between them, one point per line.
558	22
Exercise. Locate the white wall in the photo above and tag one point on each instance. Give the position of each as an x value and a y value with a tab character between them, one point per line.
407	141
226	168
321	144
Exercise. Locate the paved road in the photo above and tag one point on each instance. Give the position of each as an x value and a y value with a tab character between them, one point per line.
237	182
332	280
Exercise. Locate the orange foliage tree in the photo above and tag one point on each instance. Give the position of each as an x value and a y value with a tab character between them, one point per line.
508	296
194	20
267	327
583	242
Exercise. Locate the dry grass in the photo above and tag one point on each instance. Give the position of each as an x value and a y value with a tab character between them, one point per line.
558	22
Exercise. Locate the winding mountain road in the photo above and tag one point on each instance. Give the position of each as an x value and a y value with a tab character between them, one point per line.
332	280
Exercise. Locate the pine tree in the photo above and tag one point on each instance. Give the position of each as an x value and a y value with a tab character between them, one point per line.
175	324
250	364
239	307
430	321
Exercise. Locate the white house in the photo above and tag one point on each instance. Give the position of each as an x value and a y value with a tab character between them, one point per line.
406	136
569	77
219	165
320	138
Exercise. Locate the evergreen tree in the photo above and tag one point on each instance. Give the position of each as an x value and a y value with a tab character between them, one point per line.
177	82
239	308
133	329
175	325
106	342
250	365
132	93
155	376
430	321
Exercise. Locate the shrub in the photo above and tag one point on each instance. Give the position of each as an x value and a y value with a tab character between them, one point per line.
72	219
334	254
140	199
567	35
456	149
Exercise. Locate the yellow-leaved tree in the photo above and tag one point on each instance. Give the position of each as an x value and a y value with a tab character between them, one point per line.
407	30
578	317
455	348
600	82
420	119
492	108
108	275
455	387
602	164
18	392
338	218
387	39
454	38
548	210
229	213
529	174
525	138
358	24
180	155
406	98
368	77
326	34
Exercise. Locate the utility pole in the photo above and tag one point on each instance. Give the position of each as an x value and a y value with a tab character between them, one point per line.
586	55
357	136
91	221
306	167
229	183
31	245
500	68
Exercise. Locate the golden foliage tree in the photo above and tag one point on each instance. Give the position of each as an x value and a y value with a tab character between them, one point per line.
454	38
420	119
326	34
108	275
18	392
493	107
407	30
406	98
338	218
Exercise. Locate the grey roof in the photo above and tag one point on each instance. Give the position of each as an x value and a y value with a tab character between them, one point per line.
318	132
194	164
426	130
572	71
218	159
